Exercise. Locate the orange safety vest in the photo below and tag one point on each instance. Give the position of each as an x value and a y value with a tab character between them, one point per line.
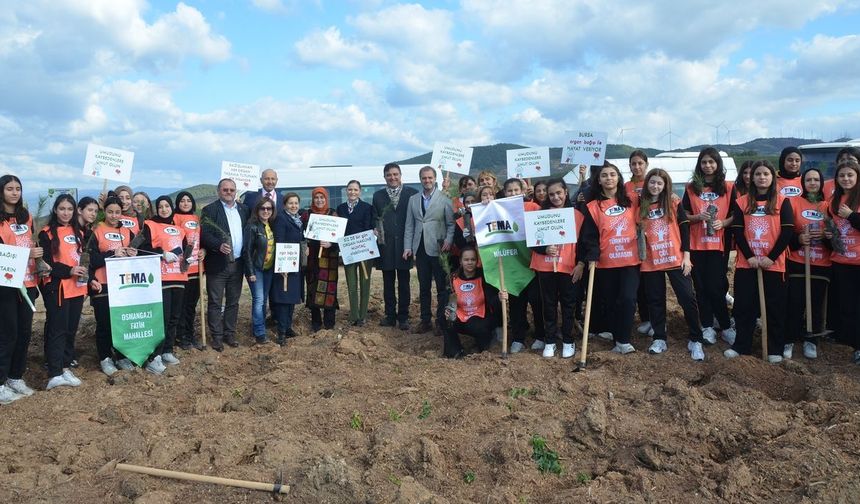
470	298
662	241
850	237
633	189
109	238
761	231
616	226
131	223
168	237
699	239
191	224
829	188
67	254
789	188
21	235
808	213
566	259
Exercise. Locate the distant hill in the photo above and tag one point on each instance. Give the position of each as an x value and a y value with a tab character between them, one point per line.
203	194
760	146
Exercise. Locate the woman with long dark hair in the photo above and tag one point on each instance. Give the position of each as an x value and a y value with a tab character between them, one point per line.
843	209
258	255
185	216
788	175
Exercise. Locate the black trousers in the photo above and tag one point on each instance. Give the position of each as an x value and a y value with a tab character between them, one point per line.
529	296
185	329
62	319
223	287
709	278
846	291
746	309
171	301
655	293
642	301
556	289
396	302
430	270
101	312
819	285
616	300
322	316
480	328
16	328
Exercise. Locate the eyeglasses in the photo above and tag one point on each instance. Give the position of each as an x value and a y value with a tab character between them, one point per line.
266	209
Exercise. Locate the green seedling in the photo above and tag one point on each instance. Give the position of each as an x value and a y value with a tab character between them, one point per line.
394	479
356	422
547	460
469	477
583	478
425	410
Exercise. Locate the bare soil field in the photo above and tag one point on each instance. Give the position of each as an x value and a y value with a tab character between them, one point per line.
376	415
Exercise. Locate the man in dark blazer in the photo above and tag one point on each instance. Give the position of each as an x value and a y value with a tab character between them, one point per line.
269	180
222	222
429	231
391	204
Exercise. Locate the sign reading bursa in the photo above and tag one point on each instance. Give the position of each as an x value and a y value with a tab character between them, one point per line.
584	148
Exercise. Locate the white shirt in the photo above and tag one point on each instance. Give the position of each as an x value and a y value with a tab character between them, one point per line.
234	220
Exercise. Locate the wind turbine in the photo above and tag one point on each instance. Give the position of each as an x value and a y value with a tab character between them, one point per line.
670	135
621	132
729	135
717	127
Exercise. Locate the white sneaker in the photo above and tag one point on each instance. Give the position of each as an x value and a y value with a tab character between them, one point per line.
70	377
810	350
169	359
606	336
729	299
58	381
730	354
538	345
729	335
697	353
774	359
623	348
125	364
108	366
517	347
657	347
856	357
567	350
7	395
20	387
788	350
549	350
644	327
758	323
709	335
155	366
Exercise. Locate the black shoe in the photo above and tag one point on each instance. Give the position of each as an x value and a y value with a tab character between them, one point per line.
387	322
316	326
358	323
458	355
289	333
185	345
232	342
404	326
74	363
219	348
423	327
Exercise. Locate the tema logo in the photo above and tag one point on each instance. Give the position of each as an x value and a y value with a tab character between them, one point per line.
19	229
708	196
655	213
70	239
502	227
127	223
131	280
171	231
191	224
813	215
790	191
614	210
467	287
115	237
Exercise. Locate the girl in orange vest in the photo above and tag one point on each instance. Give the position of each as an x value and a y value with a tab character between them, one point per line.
131	219
477	309
110	239
539	194
810	210
185	216
609	237
557	287
63	291
788	176
638	162
16	229
667	253
844	154
709	190
844	208
763	226
167	239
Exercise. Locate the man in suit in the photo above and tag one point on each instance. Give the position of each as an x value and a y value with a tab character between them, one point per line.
222	222
429	230
269	180
391	205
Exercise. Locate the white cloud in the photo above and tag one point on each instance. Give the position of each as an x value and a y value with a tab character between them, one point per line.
330	48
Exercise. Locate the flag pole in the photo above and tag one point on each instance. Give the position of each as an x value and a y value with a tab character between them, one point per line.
504	311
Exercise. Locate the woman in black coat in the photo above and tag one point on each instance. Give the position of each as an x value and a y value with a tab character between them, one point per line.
288	229
360	217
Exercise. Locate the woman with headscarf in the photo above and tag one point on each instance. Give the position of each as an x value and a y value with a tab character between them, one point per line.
130	219
322	269
185	216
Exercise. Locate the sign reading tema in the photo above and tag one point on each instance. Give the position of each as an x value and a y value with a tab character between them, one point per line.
325	228
13	265
246	176
555	226
584	148
108	163
451	158
358	247
525	163
287	258
134	296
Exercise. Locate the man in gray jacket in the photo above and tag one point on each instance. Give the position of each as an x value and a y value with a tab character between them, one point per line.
429	231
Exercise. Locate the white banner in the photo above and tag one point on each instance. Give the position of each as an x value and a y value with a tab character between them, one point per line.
136	311
246	176
287	258
452	158
499	221
13	266
584	148
555	226
108	163
325	228
526	163
358	247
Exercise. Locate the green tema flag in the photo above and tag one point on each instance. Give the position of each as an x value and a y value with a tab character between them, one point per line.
134	295
500	232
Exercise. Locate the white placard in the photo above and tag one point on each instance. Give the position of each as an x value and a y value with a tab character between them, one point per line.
325	228
555	226
108	163
287	258
246	176
584	148
526	163
452	158
358	247
13	266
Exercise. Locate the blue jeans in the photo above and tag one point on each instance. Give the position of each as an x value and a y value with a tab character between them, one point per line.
259	298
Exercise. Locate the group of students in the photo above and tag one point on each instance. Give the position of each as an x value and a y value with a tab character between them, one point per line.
635	233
